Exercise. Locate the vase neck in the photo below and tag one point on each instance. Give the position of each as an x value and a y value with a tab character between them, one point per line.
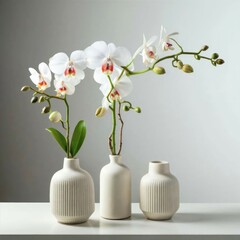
159	167
72	163
115	159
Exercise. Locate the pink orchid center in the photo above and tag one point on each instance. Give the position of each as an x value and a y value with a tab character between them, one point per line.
168	45
115	94
151	52
42	84
62	89
107	66
70	71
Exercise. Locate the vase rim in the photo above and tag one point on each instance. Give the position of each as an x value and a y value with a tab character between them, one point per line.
159	162
71	159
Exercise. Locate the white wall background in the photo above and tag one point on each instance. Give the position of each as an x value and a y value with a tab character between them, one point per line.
192	121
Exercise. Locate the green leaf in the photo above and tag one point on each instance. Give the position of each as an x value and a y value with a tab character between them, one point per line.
78	137
59	138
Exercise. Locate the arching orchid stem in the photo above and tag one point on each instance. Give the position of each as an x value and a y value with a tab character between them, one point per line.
113	135
121	75
67	126
121	129
135	73
177	44
63	125
45	94
129	104
112	87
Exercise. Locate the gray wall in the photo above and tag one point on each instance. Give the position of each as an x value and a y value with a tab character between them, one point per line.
192	121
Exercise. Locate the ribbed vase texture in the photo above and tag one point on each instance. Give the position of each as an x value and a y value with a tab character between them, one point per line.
72	193
115	190
159	192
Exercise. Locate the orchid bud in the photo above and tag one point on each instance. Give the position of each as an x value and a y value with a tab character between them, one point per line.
45	110
126	108
197	56
100	112
25	88
215	56
179	64
220	61
55	117
187	68
137	109
205	48
41	99
159	70
34	99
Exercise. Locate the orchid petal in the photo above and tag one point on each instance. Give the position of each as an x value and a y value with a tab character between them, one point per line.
34	77
172	34
96	53
73	80
122	57
111	49
70	89
105	89
33	71
138	51
79	59
151	41
79	73
105	103
100	77
58	63
45	71
123	86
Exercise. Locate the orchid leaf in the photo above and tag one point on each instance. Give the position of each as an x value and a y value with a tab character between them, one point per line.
59	138
78	137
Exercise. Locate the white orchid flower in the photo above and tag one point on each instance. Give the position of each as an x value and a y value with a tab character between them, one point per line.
122	86
72	68
42	80
63	86
165	40
107	57
148	50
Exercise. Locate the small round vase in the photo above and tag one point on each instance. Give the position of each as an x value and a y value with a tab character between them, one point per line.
115	190
159	192
72	193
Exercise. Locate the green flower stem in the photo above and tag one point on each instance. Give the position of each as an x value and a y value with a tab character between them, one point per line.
174	56
67	126
112	87
135	73
113	135
121	129
45	94
62	122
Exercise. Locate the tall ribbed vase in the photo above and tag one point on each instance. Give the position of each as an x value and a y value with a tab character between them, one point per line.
159	192
72	193
115	190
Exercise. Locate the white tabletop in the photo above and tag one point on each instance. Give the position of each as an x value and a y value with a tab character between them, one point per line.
191	219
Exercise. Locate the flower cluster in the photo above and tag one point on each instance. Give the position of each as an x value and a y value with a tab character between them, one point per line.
112	67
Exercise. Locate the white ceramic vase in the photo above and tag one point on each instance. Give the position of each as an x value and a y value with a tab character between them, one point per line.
159	192
72	193
115	190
